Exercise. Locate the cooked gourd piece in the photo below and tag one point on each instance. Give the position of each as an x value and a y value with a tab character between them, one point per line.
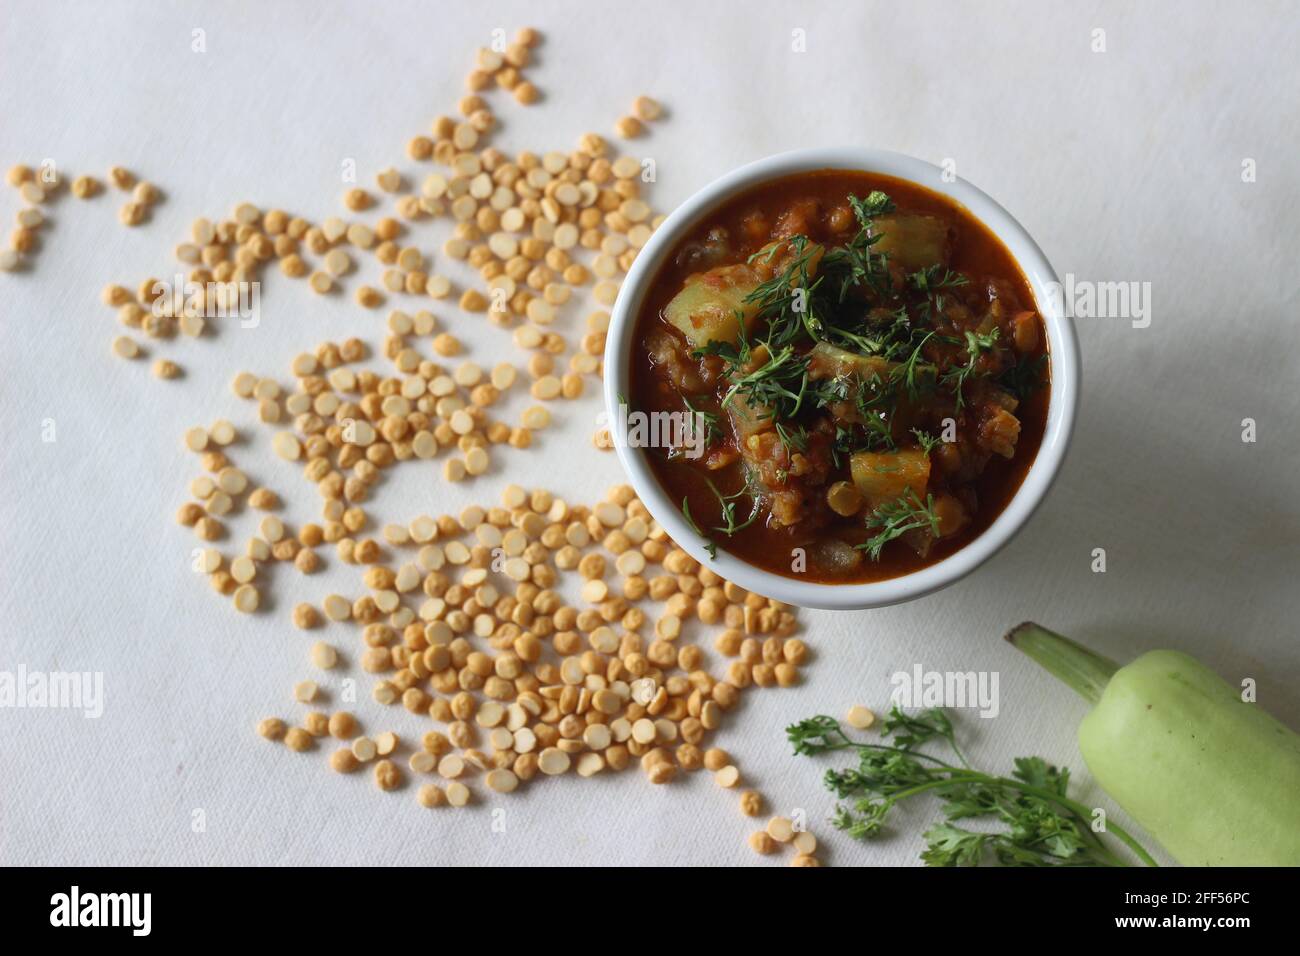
830	361
746	417
712	304
886	475
999	432
914	242
856	378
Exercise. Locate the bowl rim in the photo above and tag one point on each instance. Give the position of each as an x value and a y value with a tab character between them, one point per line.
1063	349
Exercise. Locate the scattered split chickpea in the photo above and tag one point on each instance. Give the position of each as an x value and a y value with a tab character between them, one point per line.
166	369
523	246
86	187
357	200
647	109
859	717
762	843
305	617
629	127
634	723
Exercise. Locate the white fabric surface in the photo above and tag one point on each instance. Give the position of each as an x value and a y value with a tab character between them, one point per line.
1125	165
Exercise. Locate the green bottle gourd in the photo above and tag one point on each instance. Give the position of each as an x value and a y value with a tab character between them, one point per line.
1214	779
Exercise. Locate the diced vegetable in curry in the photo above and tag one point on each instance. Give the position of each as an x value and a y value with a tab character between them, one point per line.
868	366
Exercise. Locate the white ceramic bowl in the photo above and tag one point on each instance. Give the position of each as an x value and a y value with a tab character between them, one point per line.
1063	401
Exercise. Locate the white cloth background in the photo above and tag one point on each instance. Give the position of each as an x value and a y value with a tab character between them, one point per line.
1125	165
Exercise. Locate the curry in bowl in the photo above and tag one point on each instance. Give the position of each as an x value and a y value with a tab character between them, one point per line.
863	370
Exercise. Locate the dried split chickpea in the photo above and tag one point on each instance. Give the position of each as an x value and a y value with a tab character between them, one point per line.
369	298
629	127
647	109
547	387
121	178
342	725
243	569
364	749
263	499
760	842
431	795
337	262
357	199
388	776
306	617
780	829
715	759
246	598
343	760
166	369
145	194
553	761
661	772
751	803
860	717
23	239
298	740
132	214
457	794
126	347
316	724
590	764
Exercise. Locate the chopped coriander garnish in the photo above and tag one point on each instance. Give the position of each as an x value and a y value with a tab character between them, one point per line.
730	524
895	518
793	437
712	428
709	546
977	343
1025	377
927	441
936	278
913	373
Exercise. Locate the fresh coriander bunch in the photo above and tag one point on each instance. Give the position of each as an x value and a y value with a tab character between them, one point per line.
1029	816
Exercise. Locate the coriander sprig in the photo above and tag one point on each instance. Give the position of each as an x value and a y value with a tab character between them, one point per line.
1034	822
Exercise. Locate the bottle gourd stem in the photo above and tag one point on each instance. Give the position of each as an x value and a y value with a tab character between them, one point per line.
1086	671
